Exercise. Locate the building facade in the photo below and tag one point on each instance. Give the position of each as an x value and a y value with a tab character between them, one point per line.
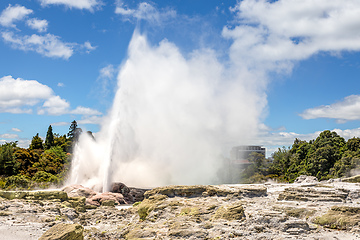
240	154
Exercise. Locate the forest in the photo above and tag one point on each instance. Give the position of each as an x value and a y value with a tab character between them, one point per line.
45	163
327	156
42	164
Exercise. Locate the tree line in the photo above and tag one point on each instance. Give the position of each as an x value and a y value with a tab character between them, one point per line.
42	163
328	156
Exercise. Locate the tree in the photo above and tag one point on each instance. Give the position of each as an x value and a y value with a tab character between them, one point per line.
26	158
52	161
8	164
36	143
73	134
49	140
72	130
62	142
353	144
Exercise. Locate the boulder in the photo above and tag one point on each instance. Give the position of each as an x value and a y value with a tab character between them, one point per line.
79	191
118	187
64	231
106	199
131	195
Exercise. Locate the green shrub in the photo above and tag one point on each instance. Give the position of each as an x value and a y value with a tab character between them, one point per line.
17	181
2	183
42	176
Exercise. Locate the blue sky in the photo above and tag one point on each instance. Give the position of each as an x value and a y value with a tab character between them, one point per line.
59	60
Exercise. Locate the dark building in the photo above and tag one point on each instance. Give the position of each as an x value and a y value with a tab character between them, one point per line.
240	154
238	162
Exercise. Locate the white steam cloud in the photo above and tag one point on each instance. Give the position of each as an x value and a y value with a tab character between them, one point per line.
173	116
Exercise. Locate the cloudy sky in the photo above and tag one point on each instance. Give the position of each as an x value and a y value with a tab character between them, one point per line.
59	60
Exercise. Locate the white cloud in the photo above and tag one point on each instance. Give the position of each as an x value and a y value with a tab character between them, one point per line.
39	25
108	71
18	93
55	105
16	130
145	11
79	4
105	83
12	14
274	34
88	47
85	111
273	140
60	123
9	136
60	84
48	45
348	109
91	120
21	96
24	143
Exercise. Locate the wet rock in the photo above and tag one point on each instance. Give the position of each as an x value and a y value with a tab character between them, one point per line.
64	231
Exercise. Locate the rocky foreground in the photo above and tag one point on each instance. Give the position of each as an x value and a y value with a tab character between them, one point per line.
306	209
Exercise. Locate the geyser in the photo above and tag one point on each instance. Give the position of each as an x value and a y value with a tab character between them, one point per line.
171	120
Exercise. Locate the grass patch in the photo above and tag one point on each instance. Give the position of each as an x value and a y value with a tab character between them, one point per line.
339	217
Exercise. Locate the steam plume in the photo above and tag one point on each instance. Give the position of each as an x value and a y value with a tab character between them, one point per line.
171	119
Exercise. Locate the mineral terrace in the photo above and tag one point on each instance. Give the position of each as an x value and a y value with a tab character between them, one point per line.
306	209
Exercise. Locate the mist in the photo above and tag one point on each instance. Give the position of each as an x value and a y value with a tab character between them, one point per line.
172	119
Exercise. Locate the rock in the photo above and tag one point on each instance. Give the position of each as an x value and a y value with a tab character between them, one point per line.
131	195
306	179
340	217
208	191
150	204
5	213
296	224
353	179
324	211
99	198
230	212
322	194
70	213
34	195
64	231
108	203
118	187
79	191
135	195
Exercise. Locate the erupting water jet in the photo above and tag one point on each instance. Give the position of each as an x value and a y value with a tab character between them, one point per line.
171	120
